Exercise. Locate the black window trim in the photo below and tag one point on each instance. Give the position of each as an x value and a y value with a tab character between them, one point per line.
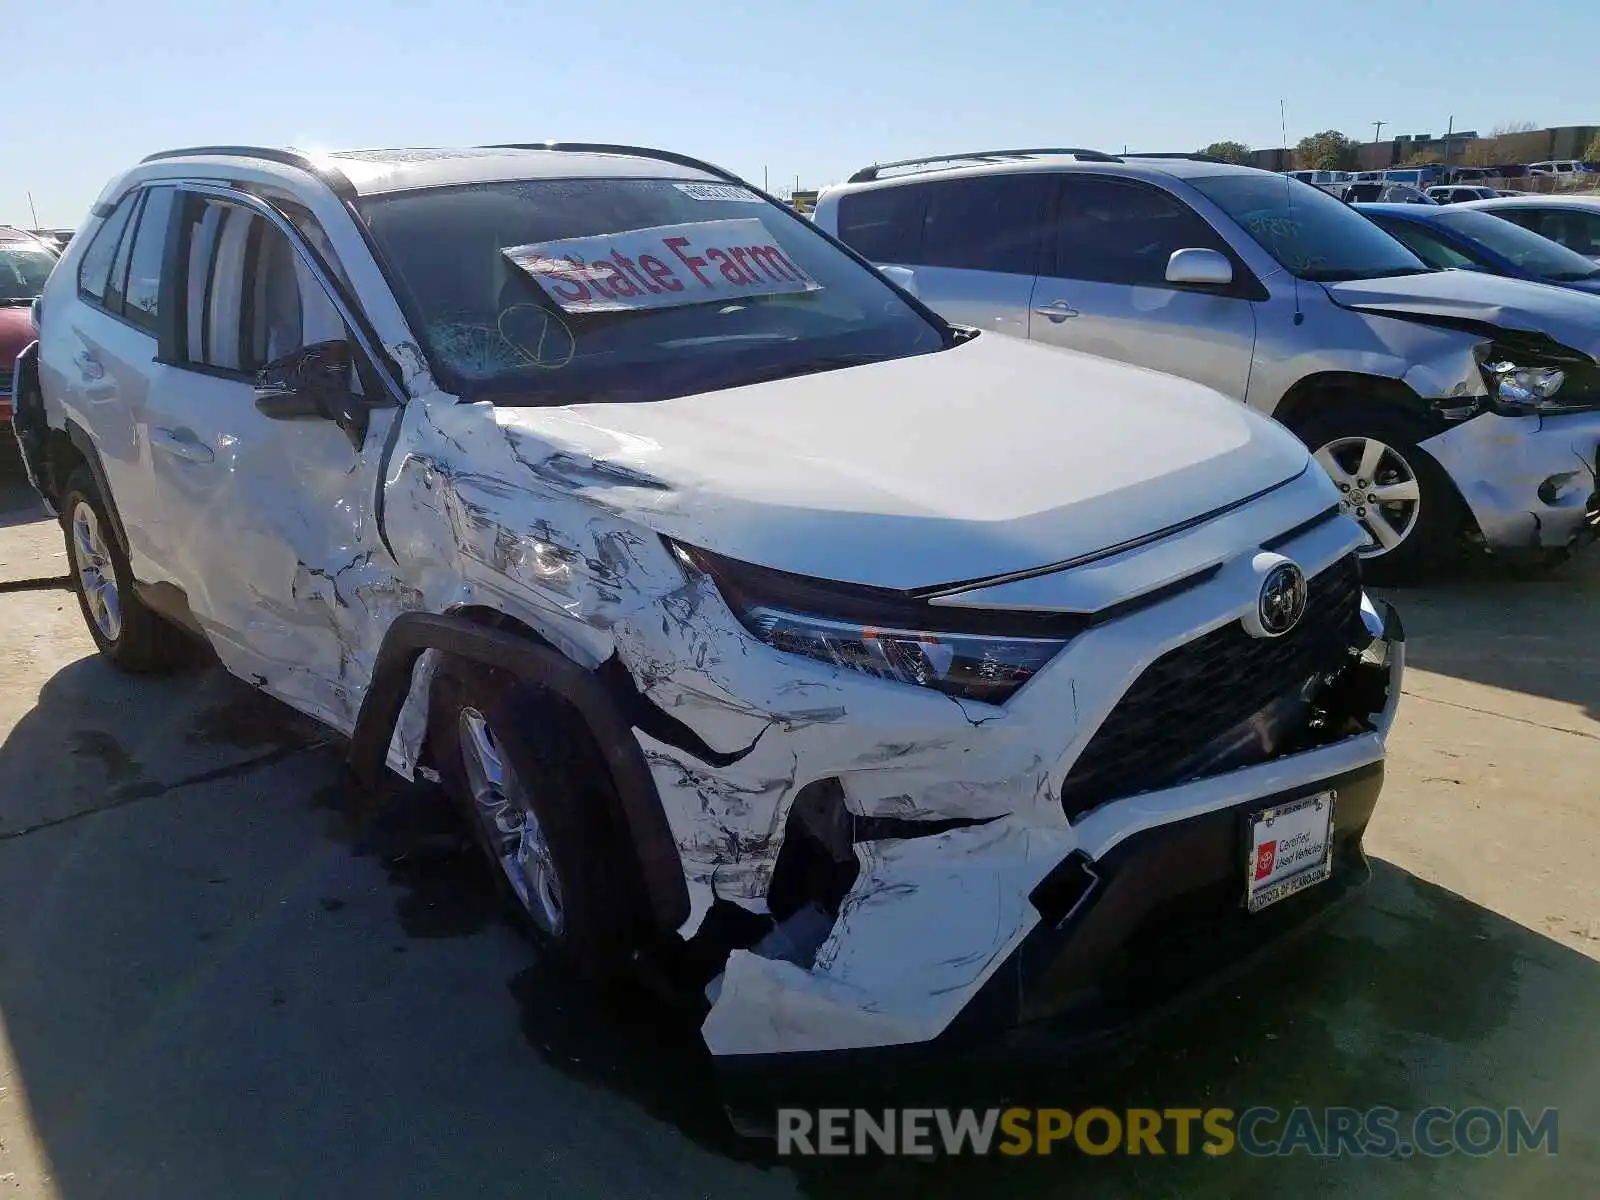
164	292
1245	286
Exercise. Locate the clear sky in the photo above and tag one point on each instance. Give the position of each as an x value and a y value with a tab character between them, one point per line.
808	89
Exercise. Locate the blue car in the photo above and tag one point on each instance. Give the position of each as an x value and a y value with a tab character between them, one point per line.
1449	236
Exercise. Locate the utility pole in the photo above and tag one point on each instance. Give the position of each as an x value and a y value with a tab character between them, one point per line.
1377	129
33	210
764	179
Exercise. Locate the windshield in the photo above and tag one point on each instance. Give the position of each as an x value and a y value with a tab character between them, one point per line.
1526	250
1307	231
559	291
23	269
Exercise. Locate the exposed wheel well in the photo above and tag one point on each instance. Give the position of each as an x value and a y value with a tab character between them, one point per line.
1303	398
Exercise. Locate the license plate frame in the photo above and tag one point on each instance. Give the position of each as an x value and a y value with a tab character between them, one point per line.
1308	818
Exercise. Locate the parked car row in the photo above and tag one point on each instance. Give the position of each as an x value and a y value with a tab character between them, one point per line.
857	677
1430	396
25	263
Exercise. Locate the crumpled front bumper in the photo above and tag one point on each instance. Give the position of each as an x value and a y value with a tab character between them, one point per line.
1530	482
1087	925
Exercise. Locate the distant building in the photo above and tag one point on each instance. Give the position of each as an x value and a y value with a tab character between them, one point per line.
1461	148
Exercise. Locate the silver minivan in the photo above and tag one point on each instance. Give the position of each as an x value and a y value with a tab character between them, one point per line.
1446	405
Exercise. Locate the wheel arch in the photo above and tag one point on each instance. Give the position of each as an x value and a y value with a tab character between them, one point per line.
487	636
1306	395
71	448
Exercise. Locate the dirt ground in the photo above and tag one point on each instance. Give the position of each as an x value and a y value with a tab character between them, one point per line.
221	975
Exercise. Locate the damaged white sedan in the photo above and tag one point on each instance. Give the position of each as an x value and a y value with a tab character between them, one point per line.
867	680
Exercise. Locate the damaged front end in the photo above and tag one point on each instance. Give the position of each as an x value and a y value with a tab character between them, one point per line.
1075	891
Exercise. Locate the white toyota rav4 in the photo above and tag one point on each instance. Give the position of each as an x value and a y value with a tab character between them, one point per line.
869	680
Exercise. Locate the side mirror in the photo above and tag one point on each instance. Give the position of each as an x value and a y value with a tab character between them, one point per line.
902	277
1202	268
313	381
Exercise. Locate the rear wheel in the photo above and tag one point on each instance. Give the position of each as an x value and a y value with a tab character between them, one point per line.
124	630
1393	489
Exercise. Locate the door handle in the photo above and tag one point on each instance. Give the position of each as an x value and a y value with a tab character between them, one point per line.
88	365
181	443
1058	311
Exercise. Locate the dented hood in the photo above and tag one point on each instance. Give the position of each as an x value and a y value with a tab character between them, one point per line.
1569	316
994	456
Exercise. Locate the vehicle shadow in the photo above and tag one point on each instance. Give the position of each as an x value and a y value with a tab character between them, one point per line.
1530	635
221	974
1414	998
19	503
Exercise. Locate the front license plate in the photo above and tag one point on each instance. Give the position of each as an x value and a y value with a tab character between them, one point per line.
1291	847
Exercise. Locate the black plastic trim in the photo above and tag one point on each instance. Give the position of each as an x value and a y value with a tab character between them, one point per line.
1145	539
1306	526
85	444
661	868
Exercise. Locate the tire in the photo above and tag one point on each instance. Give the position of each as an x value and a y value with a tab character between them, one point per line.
1420	527
586	922
125	631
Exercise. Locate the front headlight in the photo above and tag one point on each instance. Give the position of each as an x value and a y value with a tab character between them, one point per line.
1532	375
971	654
1524	389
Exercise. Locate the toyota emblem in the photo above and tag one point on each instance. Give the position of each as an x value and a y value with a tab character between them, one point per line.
1283	599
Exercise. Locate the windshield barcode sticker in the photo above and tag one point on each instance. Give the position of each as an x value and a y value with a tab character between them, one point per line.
662	267
719	191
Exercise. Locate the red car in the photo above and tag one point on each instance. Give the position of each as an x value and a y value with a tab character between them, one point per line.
25	263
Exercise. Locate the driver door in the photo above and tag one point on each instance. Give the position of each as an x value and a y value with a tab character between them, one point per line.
1104	288
268	522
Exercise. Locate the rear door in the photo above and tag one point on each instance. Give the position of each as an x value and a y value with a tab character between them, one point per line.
270	522
973	242
110	357
1106	293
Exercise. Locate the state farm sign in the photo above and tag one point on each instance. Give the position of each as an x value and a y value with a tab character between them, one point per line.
661	267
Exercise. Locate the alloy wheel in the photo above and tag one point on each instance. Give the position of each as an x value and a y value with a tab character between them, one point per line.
518	842
96	575
1377	487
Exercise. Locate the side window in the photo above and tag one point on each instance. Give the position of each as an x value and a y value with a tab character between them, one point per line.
248	297
1433	250
142	294
94	269
986	223
1117	231
885	224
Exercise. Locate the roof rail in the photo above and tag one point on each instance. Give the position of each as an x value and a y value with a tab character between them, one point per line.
1196	157
329	175
867	174
682	160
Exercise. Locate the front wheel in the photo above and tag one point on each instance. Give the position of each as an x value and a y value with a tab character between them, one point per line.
523	769
1393	489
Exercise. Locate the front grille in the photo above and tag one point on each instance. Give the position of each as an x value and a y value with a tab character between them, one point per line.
1194	694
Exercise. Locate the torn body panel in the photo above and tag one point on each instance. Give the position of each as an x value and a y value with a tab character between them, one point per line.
1529	481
